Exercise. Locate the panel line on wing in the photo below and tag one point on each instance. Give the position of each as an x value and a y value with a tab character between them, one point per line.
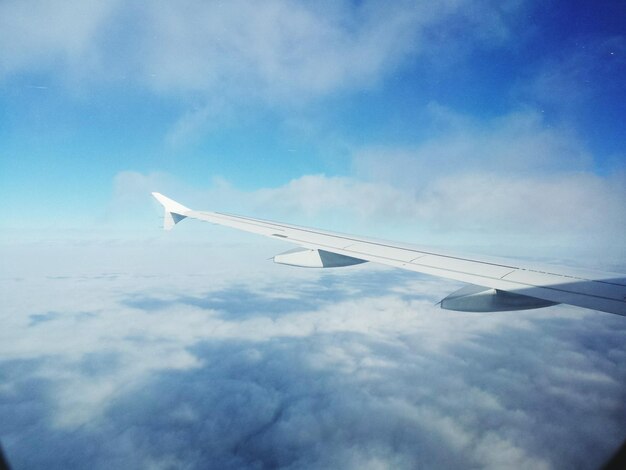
466	273
422	254
357	240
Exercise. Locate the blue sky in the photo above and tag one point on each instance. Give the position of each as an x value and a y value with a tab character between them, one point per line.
407	98
489	126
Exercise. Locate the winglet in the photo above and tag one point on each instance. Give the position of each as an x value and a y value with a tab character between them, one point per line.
174	212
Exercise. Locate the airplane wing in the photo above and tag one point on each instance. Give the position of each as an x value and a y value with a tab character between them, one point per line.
495	284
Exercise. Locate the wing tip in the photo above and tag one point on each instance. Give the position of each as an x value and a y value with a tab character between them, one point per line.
174	211
169	204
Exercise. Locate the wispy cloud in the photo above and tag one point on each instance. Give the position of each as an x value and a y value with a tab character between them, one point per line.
281	51
518	142
37	36
215	57
585	70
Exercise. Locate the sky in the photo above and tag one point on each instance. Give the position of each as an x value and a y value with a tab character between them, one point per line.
487	126
442	124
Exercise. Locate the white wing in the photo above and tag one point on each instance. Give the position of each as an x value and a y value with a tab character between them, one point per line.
497	284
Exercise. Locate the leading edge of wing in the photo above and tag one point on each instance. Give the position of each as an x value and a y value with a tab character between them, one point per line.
597	290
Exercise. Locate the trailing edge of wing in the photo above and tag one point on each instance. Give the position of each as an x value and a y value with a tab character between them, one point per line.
596	290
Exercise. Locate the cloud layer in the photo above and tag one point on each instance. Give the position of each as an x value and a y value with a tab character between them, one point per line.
352	368
195	354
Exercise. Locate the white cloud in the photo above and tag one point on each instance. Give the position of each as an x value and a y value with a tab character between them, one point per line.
348	369
540	211
519	143
218	59
278	50
39	35
514	174
514	182
570	203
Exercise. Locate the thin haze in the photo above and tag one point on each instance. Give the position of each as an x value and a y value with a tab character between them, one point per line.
493	126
